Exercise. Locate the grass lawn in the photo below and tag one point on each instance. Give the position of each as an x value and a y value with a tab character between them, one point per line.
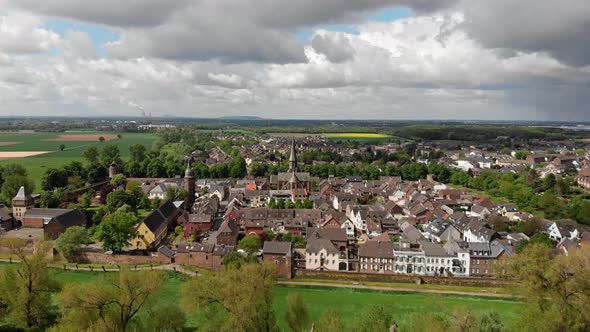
348	302
37	165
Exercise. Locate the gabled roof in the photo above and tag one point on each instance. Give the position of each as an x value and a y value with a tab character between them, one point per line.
71	218
277	247
332	234
316	245
160	216
380	249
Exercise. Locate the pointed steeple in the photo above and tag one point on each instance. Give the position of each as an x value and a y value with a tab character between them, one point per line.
293	158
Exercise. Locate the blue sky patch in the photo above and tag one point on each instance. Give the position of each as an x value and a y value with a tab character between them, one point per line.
100	35
385	15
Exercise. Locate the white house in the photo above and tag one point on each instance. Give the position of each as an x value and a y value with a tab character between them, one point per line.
159	191
321	255
348	226
562	231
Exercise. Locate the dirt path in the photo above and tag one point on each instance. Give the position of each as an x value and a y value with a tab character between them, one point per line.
408	290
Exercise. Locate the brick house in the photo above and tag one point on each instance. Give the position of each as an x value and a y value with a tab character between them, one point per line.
203	255
281	254
57	225
376	257
227	234
485	256
53	221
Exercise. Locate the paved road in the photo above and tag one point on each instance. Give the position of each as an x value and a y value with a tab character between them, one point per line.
409	290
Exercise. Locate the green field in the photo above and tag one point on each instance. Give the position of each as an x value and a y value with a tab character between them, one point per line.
348	301
36	165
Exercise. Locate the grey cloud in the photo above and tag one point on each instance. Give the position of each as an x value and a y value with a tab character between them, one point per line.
229	30
558	28
110	12
336	47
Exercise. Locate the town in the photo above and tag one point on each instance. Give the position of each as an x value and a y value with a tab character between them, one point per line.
115	214
360	218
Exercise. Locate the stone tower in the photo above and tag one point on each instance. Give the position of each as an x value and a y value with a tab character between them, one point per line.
21	203
293	159
189	185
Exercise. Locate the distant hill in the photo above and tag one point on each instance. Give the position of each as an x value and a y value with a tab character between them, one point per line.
240	117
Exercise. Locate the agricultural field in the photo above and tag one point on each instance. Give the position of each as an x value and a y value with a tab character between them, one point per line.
352	137
348	302
40	151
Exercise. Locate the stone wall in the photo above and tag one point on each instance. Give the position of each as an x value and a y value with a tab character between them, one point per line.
375	277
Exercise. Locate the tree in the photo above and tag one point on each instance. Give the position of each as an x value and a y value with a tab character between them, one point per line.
297	317
168	317
101	139
91	154
530	226
119	180
550	181
231	306
62	147
119	136
116	230
250	244
330	321
490	322
86	200
539	238
138	152
109	304
555	288
110	153
175	193
69	243
25	289
374	318
13	183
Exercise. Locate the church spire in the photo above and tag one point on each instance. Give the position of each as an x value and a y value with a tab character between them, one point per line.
293	158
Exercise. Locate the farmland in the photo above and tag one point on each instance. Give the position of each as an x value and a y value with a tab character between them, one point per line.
347	301
32	142
343	137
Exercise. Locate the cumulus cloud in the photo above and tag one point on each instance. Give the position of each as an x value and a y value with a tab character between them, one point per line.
20	33
210	58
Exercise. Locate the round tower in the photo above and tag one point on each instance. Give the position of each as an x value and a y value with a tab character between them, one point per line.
113	170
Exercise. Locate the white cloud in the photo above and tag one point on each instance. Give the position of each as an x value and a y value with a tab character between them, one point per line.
21	33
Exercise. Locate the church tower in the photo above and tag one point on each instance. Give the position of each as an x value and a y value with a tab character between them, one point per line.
189	185
293	159
21	203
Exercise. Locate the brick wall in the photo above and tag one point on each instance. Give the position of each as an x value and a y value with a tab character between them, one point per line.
203	260
284	264
33	222
93	257
360	277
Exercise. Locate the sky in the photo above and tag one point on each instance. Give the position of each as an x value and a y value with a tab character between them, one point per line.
304	59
